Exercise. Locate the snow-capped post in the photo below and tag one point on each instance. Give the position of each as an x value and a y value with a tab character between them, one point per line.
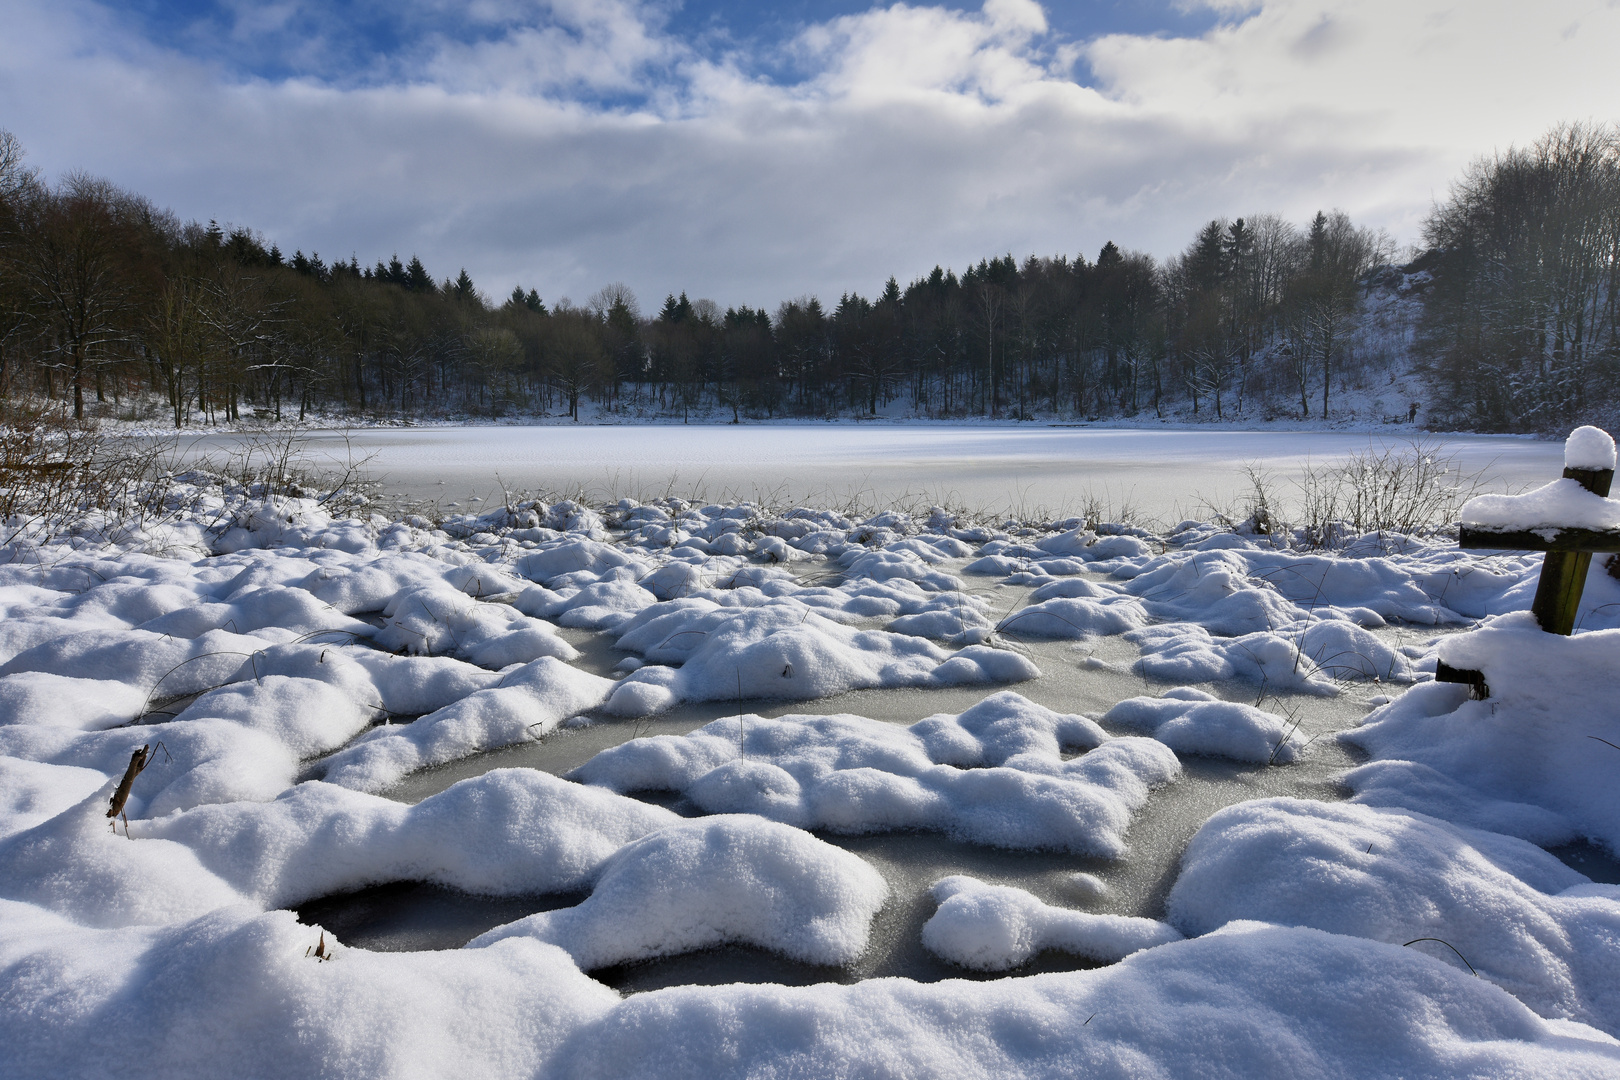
1570	519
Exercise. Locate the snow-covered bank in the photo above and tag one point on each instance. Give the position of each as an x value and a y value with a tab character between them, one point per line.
294	666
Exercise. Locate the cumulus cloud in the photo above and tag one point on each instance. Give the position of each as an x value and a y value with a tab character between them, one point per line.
569	143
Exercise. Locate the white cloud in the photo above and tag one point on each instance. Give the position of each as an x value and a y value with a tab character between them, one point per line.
918	135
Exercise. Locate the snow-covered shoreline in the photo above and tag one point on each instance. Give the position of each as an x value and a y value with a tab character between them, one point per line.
296	665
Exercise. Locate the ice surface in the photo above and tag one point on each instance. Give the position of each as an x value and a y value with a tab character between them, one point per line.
1162	471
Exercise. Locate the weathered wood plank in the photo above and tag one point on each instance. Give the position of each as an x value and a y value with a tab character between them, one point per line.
1472	536
1478	689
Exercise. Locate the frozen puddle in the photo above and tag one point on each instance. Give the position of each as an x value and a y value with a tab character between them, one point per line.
417	916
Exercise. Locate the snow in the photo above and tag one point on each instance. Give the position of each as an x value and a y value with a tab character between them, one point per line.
1250	1001
507	832
993	775
234	993
1534	741
725	879
1562	504
437	620
1191	721
995	927
290	666
1589	448
784	649
1521	918
1164	469
524	704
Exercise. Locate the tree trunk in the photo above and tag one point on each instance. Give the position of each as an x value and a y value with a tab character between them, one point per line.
78	382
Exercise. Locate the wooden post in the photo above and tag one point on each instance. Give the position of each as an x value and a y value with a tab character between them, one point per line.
1563	573
1568	556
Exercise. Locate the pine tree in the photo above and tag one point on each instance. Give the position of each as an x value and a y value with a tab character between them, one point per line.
417	279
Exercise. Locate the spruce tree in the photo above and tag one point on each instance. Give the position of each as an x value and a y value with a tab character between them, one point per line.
416	277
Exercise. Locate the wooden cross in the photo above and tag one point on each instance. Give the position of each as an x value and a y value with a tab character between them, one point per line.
1563	571
1569	555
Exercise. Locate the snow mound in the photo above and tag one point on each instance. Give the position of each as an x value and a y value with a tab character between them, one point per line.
75	865
526	704
1407	785
996	928
1251	1002
435	619
573	556
234	993
992	775
1185	653
1538	740
1520	917
720	880
38	697
371	584
507	832
1190	721
786	650
1074	618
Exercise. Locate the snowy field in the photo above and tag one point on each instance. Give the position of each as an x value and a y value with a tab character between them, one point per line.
1164	475
672	789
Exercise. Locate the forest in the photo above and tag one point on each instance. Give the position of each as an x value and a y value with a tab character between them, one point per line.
113	307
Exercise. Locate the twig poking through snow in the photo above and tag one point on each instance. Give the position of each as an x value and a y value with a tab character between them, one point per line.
1448	945
138	761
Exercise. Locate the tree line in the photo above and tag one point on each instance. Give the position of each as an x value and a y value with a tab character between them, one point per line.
109	303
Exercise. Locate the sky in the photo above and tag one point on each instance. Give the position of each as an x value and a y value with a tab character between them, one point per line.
754	152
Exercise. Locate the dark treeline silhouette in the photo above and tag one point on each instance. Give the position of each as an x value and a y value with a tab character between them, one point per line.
110	303
1520	331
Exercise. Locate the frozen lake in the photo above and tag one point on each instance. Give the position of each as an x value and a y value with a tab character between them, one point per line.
1163	475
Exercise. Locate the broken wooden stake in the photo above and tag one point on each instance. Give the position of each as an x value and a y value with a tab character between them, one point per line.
1569	555
138	761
